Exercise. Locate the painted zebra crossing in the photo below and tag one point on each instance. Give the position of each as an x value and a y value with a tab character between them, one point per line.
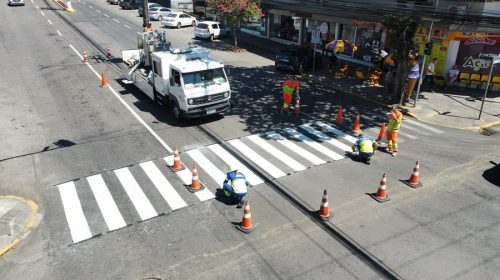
152	189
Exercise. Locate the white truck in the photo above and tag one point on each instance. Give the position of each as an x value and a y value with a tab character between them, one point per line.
187	80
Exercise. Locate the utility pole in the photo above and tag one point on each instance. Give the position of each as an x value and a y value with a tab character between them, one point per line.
423	60
145	16
494	60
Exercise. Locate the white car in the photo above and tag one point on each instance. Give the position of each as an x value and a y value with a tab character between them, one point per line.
16	3
211	30
178	20
159	13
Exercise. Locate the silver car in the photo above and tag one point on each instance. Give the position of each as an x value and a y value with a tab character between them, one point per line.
159	13
16	3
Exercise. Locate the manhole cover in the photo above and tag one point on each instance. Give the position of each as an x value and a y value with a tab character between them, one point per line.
488	131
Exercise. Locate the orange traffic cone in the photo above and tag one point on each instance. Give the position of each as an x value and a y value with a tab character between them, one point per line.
196	185
177	166
85	57
357	127
246	224
104	82
414	180
108	53
340	118
381	195
381	132
296	109
324	211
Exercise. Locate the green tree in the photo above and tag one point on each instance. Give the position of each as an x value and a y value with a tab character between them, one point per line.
404	27
236	11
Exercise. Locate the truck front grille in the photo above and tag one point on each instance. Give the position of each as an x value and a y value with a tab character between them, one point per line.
208	98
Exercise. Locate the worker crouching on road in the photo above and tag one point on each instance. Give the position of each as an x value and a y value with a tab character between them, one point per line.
366	147
290	87
235	185
395	118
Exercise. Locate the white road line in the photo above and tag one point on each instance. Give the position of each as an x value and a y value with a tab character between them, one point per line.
325	138
98	11
105	15
163	186
77	222
207	165
139	33
296	166
91	7
419	131
295	148
37	7
335	131
127	26
144	208
301	137
109	210
423	126
59	33
138	118
187	177
50	22
257	159
116	20
31	1
232	161
84	3
42	13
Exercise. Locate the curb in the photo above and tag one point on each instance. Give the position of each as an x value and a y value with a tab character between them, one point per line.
27	227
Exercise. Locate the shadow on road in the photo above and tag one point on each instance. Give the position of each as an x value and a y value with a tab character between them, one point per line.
492	175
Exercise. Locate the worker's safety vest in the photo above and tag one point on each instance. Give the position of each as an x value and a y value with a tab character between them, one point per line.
290	86
366	146
395	123
239	185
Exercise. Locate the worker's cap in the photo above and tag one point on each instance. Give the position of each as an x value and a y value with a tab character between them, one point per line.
395	106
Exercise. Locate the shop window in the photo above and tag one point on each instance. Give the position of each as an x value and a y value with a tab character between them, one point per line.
255	25
284	27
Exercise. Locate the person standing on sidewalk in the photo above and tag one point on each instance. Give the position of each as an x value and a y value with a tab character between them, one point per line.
430	74
290	87
413	76
395	118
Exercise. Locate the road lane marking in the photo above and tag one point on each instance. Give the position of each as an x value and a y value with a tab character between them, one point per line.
325	138
230	160
139	33
116	20
337	132
59	33
91	7
127	26
31	1
207	165
37	7
296	166
186	176
163	186
424	126
419	131
50	22
138	118
98	11
141	203
295	148
42	13
313	144
257	159
105	15
78	225
109	210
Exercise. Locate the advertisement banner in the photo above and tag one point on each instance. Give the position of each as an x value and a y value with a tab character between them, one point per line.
471	49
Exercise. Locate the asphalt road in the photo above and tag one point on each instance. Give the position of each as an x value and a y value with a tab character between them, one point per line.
59	127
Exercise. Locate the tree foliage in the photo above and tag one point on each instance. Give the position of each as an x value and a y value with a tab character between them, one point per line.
236	12
404	27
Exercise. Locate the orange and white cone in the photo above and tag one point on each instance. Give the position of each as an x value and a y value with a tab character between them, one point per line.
108	53
340	118
85	57
356	128
414	180
296	108
381	195
104	82
196	185
177	166
324	211
381	133
246	224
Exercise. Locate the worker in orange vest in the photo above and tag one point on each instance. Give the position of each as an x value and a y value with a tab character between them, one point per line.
147	27
395	118
290	87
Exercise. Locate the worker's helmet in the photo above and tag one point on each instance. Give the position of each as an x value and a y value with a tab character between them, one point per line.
395	106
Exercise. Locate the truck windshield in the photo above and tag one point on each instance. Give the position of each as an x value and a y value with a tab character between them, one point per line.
204	78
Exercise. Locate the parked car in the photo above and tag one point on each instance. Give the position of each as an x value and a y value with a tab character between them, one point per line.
296	58
113	2
16	3
211	30
159	13
140	9
176	19
128	4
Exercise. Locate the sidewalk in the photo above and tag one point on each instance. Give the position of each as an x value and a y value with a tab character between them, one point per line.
457	107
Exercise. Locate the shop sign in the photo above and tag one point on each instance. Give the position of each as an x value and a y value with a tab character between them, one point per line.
469	53
315	36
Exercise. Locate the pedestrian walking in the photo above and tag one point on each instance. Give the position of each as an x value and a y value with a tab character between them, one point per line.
430	74
451	76
395	118
412	79
290	87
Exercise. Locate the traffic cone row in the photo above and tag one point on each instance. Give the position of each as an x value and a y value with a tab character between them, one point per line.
296	109
381	132
104	82
177	166
414	180
108	53
85	57
196	184
340	118
381	195
357	126
324	212
246	224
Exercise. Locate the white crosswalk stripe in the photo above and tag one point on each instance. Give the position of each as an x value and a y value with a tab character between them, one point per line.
257	159
75	217
295	148
435	130
106	204
135	193
323	137
335	131
207	165
232	161
277	153
416	130
315	145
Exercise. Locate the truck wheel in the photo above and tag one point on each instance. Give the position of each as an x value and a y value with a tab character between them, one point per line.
179	25
176	110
